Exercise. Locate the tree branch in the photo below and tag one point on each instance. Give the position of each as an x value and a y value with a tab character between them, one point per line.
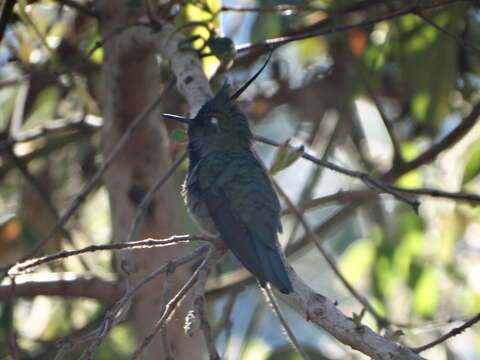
451	333
61	284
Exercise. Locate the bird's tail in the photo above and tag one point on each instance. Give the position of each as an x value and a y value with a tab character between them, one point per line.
273	268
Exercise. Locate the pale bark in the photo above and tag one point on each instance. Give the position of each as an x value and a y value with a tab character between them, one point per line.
131	78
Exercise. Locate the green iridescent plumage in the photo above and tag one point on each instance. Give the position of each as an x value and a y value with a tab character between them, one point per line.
228	192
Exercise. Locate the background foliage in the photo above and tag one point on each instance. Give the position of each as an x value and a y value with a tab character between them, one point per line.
372	98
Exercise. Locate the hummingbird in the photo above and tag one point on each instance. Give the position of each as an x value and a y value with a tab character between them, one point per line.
227	190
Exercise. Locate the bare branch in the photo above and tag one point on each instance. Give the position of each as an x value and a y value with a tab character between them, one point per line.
464	43
173	240
172	304
279	41
381	321
450	334
323	312
431	153
199	302
288	9
120	309
106	290
368	180
291	337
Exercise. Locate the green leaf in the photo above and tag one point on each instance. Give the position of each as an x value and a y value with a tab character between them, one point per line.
472	166
426	293
285	156
357	259
179	136
223	48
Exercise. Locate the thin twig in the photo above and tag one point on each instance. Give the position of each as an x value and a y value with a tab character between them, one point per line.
368	180
82	195
450	334
52	127
278	313
431	153
397	154
170	308
381	321
279	41
42	194
225	323
120	309
173	240
199	302
144	204
465	43
289	9
167	289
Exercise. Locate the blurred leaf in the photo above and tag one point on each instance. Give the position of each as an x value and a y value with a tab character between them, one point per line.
179	135
357	259
204	11
472	166
255	349
426	293
374	57
44	107
7	103
133	3
415	44
266	25
420	104
223	48
118	345
410	247
413	179
285	156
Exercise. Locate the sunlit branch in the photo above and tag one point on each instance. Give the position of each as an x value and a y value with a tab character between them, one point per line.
173	240
53	127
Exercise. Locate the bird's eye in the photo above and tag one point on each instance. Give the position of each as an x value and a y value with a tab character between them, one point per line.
214	121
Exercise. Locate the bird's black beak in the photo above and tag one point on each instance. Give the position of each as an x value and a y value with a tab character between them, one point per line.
178	118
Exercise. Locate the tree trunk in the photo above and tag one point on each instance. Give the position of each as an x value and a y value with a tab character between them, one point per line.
132	81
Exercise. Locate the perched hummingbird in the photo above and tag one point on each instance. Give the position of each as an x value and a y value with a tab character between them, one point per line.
227	190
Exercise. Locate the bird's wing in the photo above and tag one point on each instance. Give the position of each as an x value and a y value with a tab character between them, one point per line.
245	210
